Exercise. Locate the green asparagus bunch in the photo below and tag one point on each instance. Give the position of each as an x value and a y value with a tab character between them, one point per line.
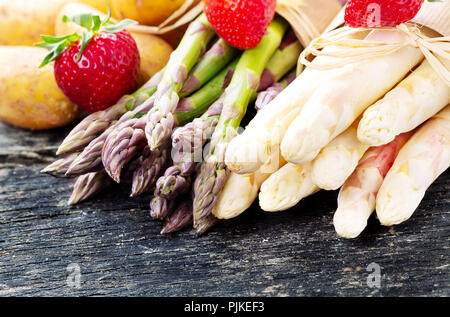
244	84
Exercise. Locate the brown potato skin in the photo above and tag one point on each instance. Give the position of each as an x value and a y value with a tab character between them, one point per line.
29	95
23	21
147	12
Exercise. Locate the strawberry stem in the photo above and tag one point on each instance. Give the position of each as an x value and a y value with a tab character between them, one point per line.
93	25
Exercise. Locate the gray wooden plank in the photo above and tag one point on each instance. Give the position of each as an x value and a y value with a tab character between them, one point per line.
120	252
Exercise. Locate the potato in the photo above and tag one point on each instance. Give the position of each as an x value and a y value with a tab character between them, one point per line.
29	95
154	51
147	12
23	21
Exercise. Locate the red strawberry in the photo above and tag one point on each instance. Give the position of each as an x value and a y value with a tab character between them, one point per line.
96	69
380	13
241	23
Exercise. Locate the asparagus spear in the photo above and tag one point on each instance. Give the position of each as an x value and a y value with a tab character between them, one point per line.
95	124
196	104
213	175
149	166
204	224
60	167
213	61
286	187
88	185
356	200
420	161
180	218
417	98
266	96
160	120
161	208
338	159
283	60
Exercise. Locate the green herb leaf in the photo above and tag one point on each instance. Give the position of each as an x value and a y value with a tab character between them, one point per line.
97	23
86	37
82	19
56	45
120	26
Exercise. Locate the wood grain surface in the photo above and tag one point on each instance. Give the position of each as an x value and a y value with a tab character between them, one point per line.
119	250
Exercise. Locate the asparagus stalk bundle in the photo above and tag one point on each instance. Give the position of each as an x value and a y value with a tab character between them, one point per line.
243	86
160	120
356	200
192	137
341	100
420	161
128	137
262	136
96	123
338	159
416	99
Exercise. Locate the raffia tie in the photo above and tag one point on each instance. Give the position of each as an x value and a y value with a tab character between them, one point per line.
348	51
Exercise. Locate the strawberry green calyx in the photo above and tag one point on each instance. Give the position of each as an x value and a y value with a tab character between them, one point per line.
93	25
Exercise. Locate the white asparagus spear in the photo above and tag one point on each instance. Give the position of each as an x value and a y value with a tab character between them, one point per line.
250	150
421	160
340	100
356	199
286	187
416	99
241	190
337	161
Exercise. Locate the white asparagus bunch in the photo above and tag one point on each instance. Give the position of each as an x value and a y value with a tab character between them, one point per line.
416	99
341	100
241	190
337	161
421	160
250	150
356	199
286	187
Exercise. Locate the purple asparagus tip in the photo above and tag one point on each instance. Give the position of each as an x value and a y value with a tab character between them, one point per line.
181	218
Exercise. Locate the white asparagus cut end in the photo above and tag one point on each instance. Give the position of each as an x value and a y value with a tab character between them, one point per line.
249	151
241	190
419	163
337	161
342	99
286	187
356	199
416	99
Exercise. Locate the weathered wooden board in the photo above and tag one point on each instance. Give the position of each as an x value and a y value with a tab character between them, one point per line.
120	252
